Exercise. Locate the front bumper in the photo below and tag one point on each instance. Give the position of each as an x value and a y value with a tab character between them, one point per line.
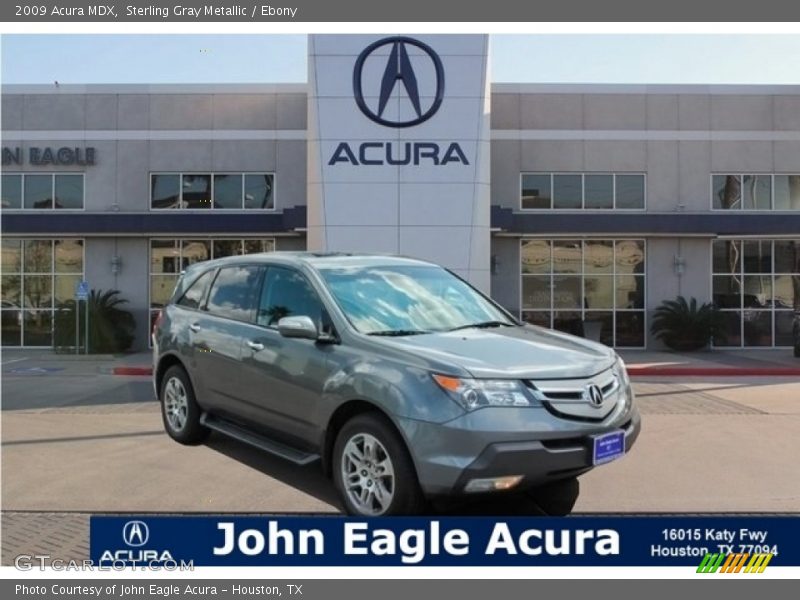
505	441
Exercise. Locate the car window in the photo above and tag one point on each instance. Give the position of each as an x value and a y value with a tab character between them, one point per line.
234	292
193	297
287	293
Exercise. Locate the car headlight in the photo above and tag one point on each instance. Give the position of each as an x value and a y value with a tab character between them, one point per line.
621	373
478	393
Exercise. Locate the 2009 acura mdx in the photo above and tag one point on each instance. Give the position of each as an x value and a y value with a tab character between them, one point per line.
402	379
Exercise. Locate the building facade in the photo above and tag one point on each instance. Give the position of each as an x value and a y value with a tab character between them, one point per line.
579	207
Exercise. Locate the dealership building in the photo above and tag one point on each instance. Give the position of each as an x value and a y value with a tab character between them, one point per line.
578	207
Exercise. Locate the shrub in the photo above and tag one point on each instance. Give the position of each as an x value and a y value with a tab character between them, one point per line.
685	326
111	328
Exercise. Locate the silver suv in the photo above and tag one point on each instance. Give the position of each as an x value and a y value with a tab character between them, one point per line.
404	381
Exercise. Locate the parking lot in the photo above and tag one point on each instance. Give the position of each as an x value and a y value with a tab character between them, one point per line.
76	440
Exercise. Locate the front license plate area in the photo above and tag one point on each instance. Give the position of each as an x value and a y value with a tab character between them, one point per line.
607	447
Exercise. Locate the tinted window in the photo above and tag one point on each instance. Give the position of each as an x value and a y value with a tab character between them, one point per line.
287	293
233	292
165	191
12	191
193	297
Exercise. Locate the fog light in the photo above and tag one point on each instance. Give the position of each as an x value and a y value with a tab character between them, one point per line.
492	484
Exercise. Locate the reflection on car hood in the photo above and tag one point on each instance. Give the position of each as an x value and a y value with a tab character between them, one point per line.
512	352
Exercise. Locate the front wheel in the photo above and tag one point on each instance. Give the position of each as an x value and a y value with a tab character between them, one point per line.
373	471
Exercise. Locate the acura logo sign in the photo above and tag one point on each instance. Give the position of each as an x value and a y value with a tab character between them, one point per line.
399	72
135	533
594	395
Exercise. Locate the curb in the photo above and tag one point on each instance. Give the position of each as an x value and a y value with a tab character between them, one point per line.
635	371
143	371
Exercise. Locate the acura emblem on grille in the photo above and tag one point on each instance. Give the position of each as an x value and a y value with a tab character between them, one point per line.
594	395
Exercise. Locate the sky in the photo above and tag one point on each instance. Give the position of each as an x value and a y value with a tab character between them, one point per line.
270	58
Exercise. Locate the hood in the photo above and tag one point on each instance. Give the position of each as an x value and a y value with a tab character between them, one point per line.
512	352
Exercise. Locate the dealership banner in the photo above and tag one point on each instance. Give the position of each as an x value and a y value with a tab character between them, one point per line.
709	544
200	11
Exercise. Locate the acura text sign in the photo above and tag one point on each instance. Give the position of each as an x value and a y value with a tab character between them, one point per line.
398	152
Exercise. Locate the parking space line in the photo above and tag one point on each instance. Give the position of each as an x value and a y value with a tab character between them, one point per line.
14	360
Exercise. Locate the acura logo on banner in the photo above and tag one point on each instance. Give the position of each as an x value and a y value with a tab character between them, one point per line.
399	72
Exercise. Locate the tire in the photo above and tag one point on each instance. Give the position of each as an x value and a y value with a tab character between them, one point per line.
179	410
379	489
557	498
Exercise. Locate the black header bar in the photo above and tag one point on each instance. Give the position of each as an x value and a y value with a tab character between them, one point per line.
340	11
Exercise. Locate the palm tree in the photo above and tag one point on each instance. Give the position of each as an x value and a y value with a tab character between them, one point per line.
684	326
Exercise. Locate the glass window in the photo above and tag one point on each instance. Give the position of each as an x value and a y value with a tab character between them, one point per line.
165	256
287	293
757	256
12	191
37	328
12	284
12	326
593	288
258	246
536	191
12	255
598	256
727	256
223	248
787	192
787	256
34	285
567	256
567	191
234	291
69	191
38	191
228	191
536	292
727	191
69	256
193	297
753	292
38	256
757	192
196	191
536	256
629	191
258	191
194	251
591	191
161	289
599	191
165	191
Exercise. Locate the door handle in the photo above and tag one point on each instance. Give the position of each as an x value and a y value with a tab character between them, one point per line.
257	346
194	327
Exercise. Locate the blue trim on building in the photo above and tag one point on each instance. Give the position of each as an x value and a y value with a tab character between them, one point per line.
166	222
674	224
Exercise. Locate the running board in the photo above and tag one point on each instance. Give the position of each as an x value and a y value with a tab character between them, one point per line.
259	441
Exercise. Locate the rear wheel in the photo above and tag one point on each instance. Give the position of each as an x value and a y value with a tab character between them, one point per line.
373	471
179	409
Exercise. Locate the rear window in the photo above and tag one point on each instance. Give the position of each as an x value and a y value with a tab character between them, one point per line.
234	292
193	297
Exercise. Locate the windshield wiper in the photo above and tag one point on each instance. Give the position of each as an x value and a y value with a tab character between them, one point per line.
398	332
483	325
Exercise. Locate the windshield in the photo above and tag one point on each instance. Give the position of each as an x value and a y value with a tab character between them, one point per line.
409	299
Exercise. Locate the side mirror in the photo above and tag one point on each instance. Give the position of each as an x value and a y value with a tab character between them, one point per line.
298	327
